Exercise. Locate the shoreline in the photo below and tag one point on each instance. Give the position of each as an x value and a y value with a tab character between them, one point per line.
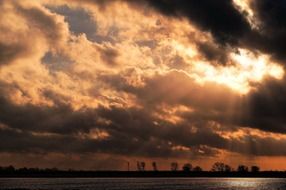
144	174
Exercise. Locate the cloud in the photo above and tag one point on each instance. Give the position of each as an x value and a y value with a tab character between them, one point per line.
271	17
230	24
80	21
266	107
132	131
18	40
145	79
220	18
213	52
228	21
10	52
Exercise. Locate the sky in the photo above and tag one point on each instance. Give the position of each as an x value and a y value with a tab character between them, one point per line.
95	84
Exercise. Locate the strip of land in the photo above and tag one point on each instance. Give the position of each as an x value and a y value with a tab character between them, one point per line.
141	174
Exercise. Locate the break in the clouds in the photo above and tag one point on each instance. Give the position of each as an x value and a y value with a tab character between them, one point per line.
93	84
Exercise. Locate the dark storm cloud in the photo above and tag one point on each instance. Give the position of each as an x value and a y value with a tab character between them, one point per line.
262	109
266	107
219	17
214	53
59	119
138	131
129	135
258	146
138	125
227	24
15	141
20	142
175	89
209	102
132	131
272	32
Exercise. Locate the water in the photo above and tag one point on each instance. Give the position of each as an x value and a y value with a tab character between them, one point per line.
142	184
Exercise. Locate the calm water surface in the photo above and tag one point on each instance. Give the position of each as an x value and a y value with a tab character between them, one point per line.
143	184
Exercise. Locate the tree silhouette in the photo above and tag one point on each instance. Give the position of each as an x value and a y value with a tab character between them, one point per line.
220	167
227	168
187	167
255	169
154	165
174	166
197	169
141	166
242	168
10	169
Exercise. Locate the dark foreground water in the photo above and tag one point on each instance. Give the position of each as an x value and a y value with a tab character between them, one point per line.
143	184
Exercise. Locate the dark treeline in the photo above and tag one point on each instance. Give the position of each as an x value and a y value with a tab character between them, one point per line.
186	170
187	167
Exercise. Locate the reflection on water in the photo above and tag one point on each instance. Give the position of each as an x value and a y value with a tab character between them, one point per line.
143	184
254	183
